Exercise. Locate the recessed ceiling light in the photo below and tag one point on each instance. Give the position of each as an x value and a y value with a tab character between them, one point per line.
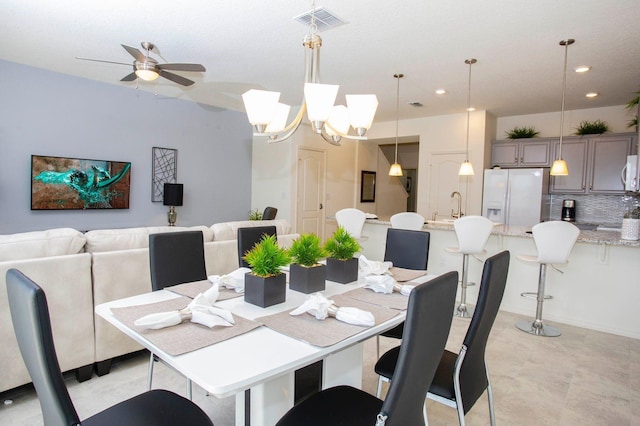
583	68
440	92
416	104
592	94
470	109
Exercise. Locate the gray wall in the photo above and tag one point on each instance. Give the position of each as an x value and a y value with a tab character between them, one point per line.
47	113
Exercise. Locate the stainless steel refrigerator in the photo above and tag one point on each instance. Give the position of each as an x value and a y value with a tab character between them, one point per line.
518	197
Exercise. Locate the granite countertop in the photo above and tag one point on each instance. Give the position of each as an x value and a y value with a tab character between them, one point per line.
589	237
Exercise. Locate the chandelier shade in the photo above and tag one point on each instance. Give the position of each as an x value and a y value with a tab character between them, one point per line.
147	75
266	116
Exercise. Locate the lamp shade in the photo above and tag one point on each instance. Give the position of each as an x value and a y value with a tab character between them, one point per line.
338	121
320	99
260	106
362	109
395	170
466	168
279	119
559	168
172	194
147	75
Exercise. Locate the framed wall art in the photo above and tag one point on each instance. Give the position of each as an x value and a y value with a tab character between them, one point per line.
61	183
165	163
367	187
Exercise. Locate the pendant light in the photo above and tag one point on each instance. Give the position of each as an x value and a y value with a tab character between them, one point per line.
466	168
559	167
396	169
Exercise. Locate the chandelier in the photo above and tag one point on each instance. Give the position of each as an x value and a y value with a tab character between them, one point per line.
269	117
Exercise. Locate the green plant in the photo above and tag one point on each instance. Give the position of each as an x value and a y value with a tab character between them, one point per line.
595	127
306	250
522	132
633	103
267	257
341	245
255	215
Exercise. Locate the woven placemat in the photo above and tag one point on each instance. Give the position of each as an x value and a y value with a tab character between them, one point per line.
195	288
186	336
326	332
393	300
403	275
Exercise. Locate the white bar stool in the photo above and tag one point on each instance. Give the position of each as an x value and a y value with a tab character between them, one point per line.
473	233
554	241
352	220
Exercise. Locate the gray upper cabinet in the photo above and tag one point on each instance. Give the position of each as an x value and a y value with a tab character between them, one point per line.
521	153
595	164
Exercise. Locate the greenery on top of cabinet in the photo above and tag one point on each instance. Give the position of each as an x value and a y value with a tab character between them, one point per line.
596	127
522	132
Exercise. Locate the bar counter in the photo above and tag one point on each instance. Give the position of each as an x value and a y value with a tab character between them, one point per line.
599	289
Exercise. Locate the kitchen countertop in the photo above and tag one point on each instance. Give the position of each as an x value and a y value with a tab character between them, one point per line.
589	237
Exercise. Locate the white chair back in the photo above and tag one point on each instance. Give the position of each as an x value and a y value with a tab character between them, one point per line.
554	241
407	220
352	220
473	233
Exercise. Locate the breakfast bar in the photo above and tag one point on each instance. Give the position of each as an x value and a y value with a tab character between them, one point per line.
598	288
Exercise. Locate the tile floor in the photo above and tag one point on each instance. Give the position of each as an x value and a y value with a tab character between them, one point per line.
583	377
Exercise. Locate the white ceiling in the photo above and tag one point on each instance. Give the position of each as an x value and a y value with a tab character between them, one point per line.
256	44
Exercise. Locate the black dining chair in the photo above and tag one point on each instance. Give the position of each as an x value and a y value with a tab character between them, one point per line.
175	258
409	250
269	213
461	378
32	325
249	237
427	328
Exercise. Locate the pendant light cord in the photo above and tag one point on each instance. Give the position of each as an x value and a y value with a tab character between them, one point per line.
398	77
470	62
566	44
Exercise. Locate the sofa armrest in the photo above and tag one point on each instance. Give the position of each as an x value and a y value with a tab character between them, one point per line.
66	281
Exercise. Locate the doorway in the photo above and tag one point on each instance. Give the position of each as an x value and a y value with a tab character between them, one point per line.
310	191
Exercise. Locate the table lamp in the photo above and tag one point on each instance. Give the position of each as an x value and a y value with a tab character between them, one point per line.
172	197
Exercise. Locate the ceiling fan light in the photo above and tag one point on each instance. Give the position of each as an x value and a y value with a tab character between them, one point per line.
395	170
279	118
362	109
466	169
320	99
147	75
559	168
260	105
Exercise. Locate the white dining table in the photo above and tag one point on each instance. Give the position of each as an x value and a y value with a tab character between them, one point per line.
262	360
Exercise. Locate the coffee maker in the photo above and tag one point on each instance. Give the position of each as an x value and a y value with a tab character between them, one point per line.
569	210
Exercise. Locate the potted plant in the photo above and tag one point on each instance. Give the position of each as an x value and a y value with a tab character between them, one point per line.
522	132
255	215
265	285
342	267
596	127
634	104
306	275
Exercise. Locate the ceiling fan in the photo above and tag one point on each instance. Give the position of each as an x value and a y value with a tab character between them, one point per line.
147	68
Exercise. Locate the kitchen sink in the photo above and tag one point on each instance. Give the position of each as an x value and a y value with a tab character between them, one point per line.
586	226
440	222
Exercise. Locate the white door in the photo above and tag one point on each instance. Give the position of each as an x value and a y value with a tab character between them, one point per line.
311	184
443	181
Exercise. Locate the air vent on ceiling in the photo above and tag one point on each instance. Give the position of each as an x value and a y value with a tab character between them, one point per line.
324	19
415	103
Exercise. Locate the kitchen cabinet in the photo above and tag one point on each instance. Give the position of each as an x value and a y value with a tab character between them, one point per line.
595	164
521	153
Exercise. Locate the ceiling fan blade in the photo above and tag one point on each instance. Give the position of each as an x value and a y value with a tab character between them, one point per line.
129	77
100	60
183	67
135	53
176	78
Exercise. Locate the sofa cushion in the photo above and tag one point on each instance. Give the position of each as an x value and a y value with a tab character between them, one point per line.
102	240
229	230
37	244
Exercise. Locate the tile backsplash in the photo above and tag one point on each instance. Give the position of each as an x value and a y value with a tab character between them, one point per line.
598	209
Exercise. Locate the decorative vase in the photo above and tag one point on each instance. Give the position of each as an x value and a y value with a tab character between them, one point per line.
307	279
342	271
265	292
630	229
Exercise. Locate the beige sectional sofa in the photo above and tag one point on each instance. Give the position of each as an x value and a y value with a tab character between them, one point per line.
80	270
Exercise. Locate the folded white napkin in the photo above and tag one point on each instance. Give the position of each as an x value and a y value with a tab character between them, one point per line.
200	311
233	280
373	267
386	284
321	307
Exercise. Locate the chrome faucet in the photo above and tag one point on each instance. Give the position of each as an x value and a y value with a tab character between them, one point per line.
459	214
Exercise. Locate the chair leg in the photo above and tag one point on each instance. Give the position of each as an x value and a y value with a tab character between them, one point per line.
463	310
189	390
378	347
424	413
150	378
492	414
380	380
537	327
